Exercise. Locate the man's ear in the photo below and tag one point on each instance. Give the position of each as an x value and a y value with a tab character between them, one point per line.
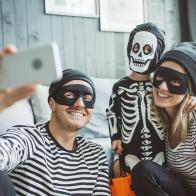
52	104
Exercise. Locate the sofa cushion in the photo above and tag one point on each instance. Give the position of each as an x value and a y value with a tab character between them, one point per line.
98	126
39	103
18	114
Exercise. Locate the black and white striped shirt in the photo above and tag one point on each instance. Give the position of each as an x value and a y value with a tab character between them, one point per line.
182	159
38	165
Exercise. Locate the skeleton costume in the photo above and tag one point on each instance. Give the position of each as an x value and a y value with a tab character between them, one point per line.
129	115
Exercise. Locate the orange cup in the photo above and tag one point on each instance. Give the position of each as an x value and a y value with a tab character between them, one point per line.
121	186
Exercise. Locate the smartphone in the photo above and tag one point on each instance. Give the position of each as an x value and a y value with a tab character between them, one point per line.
40	64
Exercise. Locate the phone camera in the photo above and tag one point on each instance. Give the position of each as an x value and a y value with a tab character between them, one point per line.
37	64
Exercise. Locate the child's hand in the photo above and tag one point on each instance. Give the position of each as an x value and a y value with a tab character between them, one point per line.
117	147
191	104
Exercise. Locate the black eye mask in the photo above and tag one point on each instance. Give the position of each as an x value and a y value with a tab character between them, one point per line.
171	77
78	91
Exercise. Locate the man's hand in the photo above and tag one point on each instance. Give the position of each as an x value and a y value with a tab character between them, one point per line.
11	95
117	146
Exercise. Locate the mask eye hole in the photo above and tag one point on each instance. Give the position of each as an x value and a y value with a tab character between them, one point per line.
159	78
147	49
175	83
88	97
136	47
70	95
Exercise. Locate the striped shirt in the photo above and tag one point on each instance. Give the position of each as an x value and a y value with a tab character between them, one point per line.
182	159
38	165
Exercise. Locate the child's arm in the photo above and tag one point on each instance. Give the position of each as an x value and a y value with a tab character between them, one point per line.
112	113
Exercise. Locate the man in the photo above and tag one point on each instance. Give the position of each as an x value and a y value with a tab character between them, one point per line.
50	159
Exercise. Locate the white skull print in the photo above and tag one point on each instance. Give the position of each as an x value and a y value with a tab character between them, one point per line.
142	52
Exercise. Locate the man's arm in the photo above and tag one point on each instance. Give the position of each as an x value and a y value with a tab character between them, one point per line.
13	149
102	184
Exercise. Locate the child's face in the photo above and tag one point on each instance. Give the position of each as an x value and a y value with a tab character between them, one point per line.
142	53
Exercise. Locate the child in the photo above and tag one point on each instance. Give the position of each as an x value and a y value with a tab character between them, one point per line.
134	134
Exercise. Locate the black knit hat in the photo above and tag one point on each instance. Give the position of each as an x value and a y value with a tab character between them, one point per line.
68	75
185	55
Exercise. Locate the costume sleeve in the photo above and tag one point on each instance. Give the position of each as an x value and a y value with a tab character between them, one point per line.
13	149
112	113
102	184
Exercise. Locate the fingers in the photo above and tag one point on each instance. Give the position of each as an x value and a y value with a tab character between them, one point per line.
20	93
9	49
127	174
118	150
114	145
191	104
117	147
11	95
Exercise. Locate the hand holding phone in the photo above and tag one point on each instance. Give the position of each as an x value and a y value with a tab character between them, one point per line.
11	95
39	64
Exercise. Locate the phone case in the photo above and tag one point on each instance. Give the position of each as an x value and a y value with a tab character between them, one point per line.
39	64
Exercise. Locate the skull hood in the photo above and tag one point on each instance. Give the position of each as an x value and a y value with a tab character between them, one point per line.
146	44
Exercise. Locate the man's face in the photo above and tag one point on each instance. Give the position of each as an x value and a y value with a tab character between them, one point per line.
143	49
73	117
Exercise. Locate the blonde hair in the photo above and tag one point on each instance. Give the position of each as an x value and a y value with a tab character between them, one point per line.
177	129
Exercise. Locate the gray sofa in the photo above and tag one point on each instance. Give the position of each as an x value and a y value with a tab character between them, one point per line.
36	110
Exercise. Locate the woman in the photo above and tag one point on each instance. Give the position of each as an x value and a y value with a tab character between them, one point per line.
174	82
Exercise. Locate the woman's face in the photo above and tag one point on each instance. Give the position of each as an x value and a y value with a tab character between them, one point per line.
163	97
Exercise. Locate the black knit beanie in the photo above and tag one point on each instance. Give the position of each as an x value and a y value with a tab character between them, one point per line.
185	55
68	75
